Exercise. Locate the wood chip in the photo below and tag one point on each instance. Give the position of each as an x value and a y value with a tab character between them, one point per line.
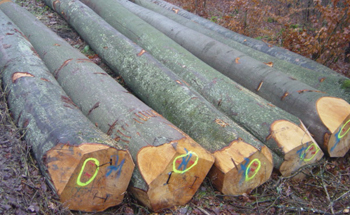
270	64
221	123
141	52
18	75
237	60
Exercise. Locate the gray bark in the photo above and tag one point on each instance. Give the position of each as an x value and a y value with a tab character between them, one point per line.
152	82
274	51
334	84
105	102
291	95
250	111
38	104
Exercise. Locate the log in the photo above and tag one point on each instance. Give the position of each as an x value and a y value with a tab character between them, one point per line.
170	96
251	114
332	83
71	152
291	95
259	45
155	143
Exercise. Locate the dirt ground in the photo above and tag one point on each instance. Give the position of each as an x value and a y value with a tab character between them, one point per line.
325	189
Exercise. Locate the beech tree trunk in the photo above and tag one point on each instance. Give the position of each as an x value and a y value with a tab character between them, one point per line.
168	94
261	46
299	99
252	111
158	146
71	152
332	83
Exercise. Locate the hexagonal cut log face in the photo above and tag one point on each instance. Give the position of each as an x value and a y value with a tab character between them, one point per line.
173	171
335	115
90	176
240	167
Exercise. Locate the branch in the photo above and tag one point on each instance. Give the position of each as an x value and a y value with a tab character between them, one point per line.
325	189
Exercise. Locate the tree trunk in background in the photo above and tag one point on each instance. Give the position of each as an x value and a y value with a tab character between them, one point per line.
324	121
152	140
70	150
332	83
253	113
169	95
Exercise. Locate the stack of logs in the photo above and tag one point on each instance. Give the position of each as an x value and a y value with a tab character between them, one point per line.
248	111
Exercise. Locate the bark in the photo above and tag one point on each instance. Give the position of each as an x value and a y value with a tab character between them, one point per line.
261	46
291	95
63	140
167	94
253	113
152	140
334	84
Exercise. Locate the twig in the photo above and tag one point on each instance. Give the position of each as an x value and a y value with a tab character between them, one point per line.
325	189
303	209
204	211
344	194
140	206
272	205
298	171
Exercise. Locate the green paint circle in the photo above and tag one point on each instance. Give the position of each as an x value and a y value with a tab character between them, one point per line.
183	171
304	154
341	136
97	163
247	178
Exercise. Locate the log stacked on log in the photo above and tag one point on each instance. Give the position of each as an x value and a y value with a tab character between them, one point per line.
332	83
170	165
172	97
253	113
297	98
71	152
261	46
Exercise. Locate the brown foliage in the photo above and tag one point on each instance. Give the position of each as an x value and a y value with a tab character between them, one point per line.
317	29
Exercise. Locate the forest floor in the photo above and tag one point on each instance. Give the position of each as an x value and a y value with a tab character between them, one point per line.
325	188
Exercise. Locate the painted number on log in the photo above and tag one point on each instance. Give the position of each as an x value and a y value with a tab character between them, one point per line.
116	167
93	162
180	162
250	168
341	133
311	149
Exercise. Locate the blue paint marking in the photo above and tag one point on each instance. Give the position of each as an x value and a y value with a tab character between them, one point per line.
185	161
337	140
244	167
116	167
301	152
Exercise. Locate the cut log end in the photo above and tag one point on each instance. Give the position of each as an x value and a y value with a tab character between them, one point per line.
173	172
302	155
298	146
339	142
335	115
240	167
89	177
